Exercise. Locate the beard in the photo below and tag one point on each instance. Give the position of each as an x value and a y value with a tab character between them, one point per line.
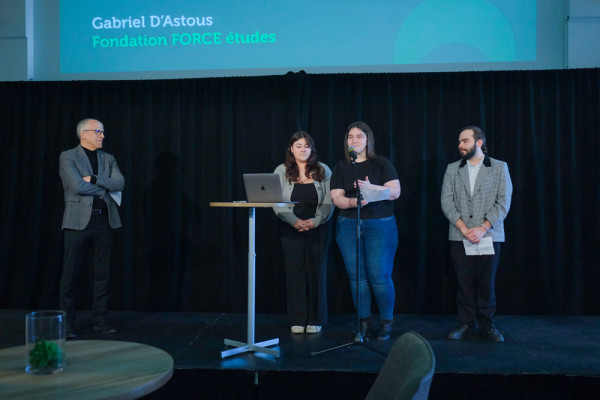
469	154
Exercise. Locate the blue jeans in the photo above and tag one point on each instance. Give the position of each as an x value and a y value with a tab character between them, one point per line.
378	244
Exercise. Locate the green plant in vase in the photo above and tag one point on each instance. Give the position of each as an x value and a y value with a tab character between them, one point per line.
45	354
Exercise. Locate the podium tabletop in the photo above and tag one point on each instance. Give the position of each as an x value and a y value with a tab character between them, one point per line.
245	204
95	369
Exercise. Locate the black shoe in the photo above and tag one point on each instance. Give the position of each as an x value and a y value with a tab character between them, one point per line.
71	332
103	326
365	328
459	332
492	334
386	330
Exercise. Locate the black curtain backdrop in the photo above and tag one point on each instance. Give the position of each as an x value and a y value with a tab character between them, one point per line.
184	143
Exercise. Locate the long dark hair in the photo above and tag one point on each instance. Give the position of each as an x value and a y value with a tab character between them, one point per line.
370	139
313	169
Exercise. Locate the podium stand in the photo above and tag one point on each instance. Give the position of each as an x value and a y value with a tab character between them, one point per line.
250	346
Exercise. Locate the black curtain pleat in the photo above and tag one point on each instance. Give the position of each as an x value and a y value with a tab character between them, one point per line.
184	143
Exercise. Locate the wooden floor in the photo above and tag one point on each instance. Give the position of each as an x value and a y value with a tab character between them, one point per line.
542	357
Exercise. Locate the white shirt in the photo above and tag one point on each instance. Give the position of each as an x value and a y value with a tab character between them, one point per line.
473	171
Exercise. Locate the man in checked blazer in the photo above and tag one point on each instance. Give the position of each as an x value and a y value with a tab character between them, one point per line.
92	185
476	196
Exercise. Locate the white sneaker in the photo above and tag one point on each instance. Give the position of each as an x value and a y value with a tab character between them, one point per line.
297	329
313	329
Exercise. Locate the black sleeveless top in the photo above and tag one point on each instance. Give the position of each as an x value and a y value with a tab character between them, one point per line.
308	199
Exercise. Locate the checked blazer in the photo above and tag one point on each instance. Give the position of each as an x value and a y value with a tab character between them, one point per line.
490	199
79	194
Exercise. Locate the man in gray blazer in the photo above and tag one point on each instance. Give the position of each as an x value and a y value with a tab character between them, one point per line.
476	196
92	185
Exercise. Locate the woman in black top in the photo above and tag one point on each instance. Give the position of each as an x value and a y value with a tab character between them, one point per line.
379	234
305	233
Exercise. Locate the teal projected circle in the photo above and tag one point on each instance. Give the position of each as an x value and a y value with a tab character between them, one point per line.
446	31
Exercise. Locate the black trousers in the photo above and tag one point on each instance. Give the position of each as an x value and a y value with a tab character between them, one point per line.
99	236
305	261
476	278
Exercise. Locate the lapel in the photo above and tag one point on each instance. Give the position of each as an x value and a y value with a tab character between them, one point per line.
83	160
484	171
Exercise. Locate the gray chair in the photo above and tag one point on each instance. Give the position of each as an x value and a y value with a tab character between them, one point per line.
407	371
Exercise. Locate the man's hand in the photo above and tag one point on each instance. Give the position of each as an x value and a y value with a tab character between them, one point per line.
87	178
475	234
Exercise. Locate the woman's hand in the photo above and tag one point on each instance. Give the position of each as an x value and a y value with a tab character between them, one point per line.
303	225
365	184
394	187
339	199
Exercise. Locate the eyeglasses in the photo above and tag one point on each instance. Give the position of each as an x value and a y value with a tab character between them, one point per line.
98	132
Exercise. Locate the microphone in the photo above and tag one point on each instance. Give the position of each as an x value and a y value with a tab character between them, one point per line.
352	153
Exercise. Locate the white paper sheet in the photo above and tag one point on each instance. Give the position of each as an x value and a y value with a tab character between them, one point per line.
372	195
116	197
484	247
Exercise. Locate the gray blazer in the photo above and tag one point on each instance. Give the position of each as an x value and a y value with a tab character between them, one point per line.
324	207
79	194
490	199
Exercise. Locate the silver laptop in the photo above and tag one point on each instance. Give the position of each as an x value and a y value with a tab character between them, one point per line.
263	188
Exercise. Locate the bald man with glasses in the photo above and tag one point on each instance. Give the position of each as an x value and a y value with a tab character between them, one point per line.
92	184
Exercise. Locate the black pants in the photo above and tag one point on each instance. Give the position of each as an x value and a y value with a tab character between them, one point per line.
476	278
305	260
99	235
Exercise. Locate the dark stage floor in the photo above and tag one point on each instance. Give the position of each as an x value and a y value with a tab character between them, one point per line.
549	357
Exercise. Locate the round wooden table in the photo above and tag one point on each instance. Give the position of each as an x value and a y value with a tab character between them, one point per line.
95	369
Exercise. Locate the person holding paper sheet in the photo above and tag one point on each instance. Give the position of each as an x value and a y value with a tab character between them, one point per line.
476	195
305	233
92	184
379	233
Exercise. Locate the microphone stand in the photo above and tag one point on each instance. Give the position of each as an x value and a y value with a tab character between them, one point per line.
358	339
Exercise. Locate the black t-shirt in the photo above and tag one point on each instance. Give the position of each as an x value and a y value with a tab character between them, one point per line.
379	170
